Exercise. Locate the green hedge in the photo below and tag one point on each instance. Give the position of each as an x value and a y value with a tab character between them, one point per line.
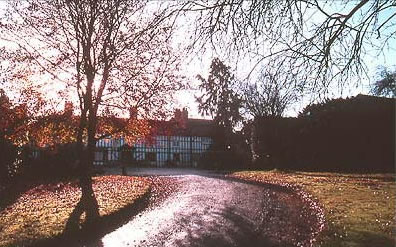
354	134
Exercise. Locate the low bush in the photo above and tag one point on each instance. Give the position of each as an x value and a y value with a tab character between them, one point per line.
52	163
7	161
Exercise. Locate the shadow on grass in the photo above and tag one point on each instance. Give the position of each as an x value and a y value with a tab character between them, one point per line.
13	190
10	192
91	234
269	185
380	176
374	239
384	177
359	238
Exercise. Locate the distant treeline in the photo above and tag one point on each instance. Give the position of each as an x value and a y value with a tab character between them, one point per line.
355	134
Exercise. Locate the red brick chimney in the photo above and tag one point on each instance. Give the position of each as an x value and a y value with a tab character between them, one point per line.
185	114
181	117
133	112
68	110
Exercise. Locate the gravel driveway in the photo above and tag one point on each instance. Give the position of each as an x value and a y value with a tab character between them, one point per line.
212	211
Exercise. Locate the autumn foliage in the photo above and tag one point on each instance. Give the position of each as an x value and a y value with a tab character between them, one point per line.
40	142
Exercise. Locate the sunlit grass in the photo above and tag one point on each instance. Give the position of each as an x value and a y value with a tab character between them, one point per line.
43	211
359	208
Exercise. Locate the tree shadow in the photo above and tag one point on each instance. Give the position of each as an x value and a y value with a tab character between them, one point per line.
87	204
271	186
91	233
218	174
14	190
367	239
385	177
359	238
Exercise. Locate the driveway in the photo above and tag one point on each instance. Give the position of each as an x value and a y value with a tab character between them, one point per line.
208	210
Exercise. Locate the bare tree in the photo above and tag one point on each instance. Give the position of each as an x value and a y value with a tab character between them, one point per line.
320	41
113	55
386	86
270	94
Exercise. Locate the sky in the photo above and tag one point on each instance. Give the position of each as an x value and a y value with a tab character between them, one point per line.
199	64
373	61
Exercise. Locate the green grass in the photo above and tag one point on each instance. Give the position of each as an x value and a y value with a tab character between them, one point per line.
359	208
42	212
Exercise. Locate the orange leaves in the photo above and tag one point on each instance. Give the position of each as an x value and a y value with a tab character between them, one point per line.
116	192
55	131
22	123
136	129
131	129
14	120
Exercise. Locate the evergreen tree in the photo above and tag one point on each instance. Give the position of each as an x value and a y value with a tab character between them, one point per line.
219	98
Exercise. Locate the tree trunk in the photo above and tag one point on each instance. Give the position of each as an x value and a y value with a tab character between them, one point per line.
88	202
91	204
88	199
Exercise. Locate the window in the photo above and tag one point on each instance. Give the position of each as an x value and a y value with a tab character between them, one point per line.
176	143
151	156
176	157
195	157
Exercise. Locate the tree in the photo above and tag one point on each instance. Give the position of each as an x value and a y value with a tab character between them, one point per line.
219	98
386	86
20	129
109	55
320	41
8	123
270	95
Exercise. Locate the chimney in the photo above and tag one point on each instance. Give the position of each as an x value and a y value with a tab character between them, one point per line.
68	110
133	112
185	114
181	117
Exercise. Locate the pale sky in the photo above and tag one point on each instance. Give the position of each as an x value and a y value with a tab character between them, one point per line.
199	64
373	61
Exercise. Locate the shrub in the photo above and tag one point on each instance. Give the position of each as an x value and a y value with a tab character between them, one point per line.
350	135
7	159
54	163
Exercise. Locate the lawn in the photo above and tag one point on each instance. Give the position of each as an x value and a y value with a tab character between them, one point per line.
359	208
42	212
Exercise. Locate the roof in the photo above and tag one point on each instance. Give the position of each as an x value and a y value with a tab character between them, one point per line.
199	127
189	127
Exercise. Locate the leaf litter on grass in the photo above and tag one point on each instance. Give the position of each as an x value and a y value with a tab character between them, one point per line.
42	211
359	208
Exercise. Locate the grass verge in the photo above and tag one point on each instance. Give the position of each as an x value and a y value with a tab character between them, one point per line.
359	208
42	212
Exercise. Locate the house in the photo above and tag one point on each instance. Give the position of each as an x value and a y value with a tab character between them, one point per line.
180	141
